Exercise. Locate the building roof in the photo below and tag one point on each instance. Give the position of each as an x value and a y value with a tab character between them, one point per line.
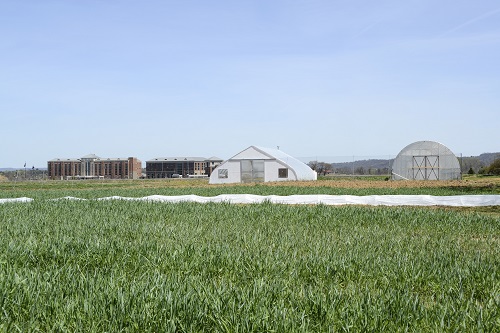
55	159
215	159
112	159
89	156
178	159
302	170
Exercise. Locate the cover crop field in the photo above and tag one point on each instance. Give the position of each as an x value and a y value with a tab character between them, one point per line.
339	186
95	266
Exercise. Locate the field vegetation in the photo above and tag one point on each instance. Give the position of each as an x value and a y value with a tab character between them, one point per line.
96	266
335	186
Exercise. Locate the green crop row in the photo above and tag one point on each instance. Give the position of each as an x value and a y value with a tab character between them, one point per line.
122	266
95	189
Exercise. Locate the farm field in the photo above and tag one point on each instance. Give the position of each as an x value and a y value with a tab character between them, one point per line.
95	266
340	186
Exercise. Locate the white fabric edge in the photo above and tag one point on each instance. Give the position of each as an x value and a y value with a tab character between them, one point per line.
370	200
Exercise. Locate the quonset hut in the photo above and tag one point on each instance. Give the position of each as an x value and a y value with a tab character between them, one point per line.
426	160
258	164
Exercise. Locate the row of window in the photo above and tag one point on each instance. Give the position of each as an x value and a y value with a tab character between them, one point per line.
90	169
177	167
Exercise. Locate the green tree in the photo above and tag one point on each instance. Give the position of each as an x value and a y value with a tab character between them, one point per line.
359	170
494	167
320	167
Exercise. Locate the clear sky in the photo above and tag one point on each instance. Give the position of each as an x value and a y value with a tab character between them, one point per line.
155	78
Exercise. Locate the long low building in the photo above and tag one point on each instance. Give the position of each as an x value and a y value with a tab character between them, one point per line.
174	167
93	167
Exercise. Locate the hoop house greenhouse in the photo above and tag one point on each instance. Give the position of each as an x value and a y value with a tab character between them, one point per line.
258	164
426	160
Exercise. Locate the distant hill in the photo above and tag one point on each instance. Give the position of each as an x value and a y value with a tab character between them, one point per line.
383	166
488	158
478	162
374	166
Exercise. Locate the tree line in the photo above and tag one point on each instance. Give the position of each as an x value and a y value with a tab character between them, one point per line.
352	168
469	165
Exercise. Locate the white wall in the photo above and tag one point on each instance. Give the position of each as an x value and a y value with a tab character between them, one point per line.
271	171
233	169
234	172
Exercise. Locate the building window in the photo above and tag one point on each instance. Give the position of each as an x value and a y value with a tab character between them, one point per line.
283	173
223	173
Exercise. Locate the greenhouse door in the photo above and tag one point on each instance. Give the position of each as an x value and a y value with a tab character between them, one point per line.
252	171
426	167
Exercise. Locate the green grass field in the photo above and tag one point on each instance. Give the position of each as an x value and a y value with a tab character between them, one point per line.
124	266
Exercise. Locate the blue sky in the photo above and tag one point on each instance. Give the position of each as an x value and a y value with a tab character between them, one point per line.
318	78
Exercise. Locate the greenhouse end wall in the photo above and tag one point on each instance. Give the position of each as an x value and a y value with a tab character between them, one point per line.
426	160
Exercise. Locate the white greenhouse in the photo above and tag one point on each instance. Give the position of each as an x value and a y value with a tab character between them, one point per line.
258	164
426	160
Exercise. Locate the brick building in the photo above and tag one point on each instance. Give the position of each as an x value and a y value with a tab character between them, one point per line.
94	167
169	167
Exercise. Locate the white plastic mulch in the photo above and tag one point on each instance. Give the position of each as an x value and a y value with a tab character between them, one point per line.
372	200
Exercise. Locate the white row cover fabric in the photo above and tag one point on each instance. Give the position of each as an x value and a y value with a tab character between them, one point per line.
371	200
23	199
